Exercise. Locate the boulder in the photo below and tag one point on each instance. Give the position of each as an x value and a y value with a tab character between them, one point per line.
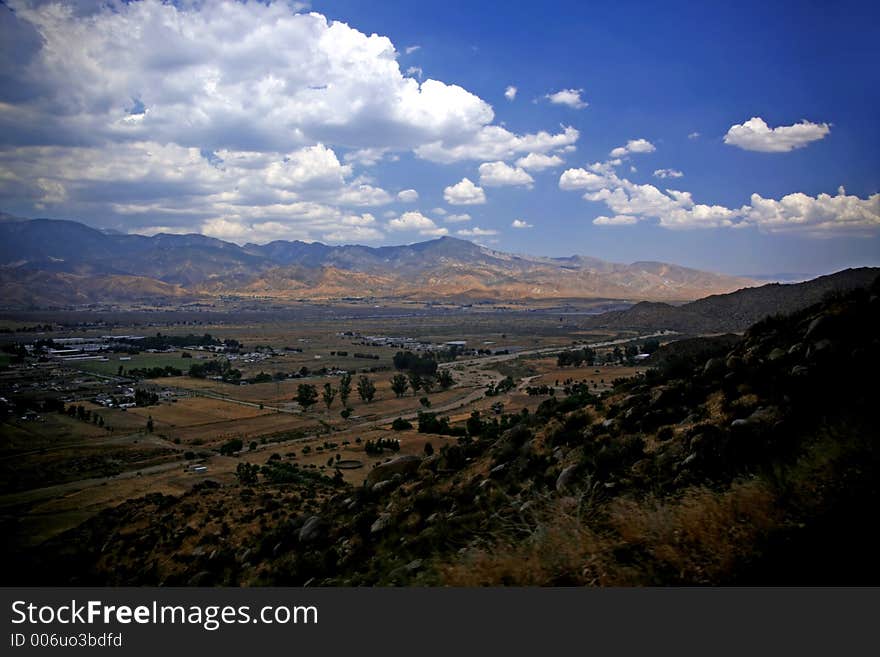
383	486
566	478
776	354
402	465
733	362
312	529
820	348
713	367
381	524
818	327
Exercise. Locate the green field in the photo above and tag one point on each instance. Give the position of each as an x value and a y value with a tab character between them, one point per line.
137	361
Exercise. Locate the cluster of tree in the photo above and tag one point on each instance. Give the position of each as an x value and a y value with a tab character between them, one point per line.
247	473
650	346
232	446
400	424
16	352
151	372
366	389
262	377
281	472
306	395
505	385
145	398
160	341
399	384
345	389
358	354
374	447
37	328
84	414
422	364
576	357
430	423
534	391
217	367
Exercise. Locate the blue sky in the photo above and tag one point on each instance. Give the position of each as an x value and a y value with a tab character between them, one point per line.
753	127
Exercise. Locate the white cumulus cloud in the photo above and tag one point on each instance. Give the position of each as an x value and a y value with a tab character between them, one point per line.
634	146
520	223
416	222
668	173
499	174
154	113
464	192
510	92
630	203
496	143
756	135
570	97
539	161
408	196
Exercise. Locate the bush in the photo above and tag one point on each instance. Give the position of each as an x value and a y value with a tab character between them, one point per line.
231	446
401	425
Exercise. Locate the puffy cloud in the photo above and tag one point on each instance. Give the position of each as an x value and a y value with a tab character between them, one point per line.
464	192
476	231
170	114
415	71
520	223
539	161
499	174
361	195
666	173
456	218
314	165
408	196
139	185
510	92
151	70
631	203
333	228
411	49
694	135
416	221
756	135
573	179
569	97
633	146
497	143
820	215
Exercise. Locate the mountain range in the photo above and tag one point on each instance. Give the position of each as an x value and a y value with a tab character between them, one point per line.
47	262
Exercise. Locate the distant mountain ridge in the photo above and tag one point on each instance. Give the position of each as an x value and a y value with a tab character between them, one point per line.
80	264
738	310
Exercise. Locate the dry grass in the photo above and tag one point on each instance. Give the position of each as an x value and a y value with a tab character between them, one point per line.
702	537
